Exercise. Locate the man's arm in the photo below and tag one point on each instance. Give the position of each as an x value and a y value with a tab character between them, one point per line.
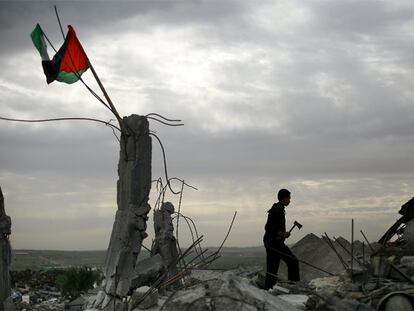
276	222
283	234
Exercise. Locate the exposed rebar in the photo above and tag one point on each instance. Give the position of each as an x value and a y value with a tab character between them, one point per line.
61	119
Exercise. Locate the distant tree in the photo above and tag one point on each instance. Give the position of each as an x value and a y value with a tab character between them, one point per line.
76	280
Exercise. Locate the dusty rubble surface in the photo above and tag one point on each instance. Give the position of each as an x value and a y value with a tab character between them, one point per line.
229	292
376	286
316	251
240	289
36	290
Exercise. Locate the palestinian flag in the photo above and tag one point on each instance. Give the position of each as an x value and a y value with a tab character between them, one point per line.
69	63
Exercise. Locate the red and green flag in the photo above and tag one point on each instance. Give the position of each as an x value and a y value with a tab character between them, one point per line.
68	64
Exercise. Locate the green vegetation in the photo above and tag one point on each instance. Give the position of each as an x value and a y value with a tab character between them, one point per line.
76	280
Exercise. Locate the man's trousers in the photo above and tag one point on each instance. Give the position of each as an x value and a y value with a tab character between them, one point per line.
274	253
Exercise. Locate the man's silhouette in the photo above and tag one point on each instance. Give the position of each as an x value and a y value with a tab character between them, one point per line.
274	241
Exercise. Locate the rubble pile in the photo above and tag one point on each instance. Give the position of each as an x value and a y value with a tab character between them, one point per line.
36	289
229	292
379	277
316	251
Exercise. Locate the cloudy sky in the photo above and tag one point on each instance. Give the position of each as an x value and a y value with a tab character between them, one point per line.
314	96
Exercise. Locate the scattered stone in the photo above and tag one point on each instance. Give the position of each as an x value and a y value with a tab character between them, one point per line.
298	301
227	293
276	289
147	271
137	300
330	282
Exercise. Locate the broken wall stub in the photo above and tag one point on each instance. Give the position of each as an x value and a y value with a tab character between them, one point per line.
5	253
165	242
133	188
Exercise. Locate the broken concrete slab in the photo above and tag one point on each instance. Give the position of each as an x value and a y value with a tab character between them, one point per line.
227	293
143	298
298	301
330	282
147	271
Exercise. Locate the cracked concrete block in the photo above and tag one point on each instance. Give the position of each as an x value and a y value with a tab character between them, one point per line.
147	271
138	300
230	293
99	298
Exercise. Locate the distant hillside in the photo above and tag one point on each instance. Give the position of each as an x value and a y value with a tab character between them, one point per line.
46	259
231	257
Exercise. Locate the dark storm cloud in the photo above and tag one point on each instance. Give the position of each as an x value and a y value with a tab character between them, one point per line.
18	18
315	96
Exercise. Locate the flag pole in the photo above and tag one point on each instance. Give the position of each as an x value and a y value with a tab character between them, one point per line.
108	99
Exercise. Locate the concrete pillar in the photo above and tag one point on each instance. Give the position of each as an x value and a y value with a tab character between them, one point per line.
133	188
165	242
5	253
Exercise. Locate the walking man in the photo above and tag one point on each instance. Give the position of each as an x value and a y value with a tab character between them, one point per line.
274	241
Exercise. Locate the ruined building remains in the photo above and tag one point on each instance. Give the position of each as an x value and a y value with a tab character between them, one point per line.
133	188
5	253
165	242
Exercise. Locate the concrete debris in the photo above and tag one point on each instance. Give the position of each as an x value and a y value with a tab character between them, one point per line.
316	251
147	271
299	301
279	289
230	292
33	290
381	279
142	300
327	283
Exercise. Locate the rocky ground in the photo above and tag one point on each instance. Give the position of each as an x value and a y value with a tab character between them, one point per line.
378	283
383	284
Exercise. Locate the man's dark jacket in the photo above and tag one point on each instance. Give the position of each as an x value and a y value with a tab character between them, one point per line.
276	223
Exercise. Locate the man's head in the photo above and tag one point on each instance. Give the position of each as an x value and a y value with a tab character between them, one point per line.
284	196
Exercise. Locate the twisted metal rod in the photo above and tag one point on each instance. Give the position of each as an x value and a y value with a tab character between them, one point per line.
228	233
158	282
329	242
348	252
162	117
61	119
190	222
165	162
165	123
